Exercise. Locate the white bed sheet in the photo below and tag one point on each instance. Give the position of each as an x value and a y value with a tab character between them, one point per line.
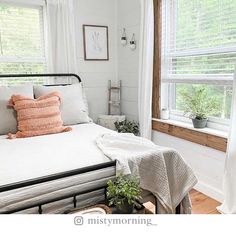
24	159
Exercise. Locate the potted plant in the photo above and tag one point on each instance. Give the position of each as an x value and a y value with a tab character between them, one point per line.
122	193
127	127
198	105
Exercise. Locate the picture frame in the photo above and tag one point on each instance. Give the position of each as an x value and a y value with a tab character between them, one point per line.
96	43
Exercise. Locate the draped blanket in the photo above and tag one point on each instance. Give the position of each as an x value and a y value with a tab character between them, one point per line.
162	171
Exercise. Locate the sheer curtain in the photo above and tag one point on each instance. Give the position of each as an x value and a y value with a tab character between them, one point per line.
229	184
61	36
146	68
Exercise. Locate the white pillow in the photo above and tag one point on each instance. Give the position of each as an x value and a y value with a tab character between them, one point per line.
8	122
73	107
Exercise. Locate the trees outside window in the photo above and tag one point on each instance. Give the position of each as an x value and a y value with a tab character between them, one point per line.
199	49
21	41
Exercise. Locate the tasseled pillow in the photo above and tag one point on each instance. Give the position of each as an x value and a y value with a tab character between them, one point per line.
37	116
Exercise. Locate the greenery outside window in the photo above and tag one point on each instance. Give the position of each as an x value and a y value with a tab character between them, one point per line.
22	47
198	50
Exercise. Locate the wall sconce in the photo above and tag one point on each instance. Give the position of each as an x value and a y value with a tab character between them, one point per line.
132	43
124	38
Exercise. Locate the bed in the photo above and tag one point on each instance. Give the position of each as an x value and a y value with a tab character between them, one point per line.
55	173
74	173
72	158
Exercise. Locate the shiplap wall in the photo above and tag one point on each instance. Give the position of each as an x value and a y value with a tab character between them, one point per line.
128	17
95	74
123	63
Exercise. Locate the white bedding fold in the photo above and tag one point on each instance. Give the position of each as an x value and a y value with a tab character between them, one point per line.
161	170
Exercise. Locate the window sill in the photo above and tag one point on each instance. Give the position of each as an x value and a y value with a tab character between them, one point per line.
209	137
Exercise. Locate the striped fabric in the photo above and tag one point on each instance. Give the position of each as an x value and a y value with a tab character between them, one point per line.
18	198
37	116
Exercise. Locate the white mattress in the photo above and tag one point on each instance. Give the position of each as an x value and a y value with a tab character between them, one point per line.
24	159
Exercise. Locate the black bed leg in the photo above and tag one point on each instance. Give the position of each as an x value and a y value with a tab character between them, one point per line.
156	210
178	209
74	201
40	211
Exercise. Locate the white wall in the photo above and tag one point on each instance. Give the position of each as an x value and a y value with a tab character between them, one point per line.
128	17
123	63
207	163
95	75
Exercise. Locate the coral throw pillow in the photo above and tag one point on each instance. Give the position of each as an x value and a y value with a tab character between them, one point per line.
37	116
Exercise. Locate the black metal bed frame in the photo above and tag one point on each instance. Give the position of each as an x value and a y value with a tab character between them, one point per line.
57	176
44	179
42	75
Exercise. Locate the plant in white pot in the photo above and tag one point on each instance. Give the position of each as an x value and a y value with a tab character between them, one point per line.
198	105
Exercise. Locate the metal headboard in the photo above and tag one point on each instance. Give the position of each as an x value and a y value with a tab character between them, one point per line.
41	75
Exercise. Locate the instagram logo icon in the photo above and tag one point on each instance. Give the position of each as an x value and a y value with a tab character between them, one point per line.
79	220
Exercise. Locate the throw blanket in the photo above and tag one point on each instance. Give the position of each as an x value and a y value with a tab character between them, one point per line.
162	171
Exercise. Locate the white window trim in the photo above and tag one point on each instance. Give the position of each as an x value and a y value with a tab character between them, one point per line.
199	79
167	98
7	59
203	52
207	130
213	122
25	3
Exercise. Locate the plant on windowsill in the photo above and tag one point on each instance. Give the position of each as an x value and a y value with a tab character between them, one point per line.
198	105
123	192
127	127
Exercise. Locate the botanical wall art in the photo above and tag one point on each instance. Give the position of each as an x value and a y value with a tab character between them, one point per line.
96	42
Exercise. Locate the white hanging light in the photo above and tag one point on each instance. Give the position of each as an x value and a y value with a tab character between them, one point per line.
124	38
132	43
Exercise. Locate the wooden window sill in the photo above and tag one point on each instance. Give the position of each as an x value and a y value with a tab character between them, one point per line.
206	137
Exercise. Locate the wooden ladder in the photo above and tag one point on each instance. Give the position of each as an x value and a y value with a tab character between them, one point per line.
111	102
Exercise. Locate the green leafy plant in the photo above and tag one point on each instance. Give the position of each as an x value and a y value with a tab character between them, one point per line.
127	127
123	190
198	104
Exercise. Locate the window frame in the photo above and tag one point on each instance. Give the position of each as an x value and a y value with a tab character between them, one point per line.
25	3
168	94
41	6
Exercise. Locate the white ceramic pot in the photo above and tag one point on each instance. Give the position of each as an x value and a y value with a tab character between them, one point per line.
123	41
165	114
132	46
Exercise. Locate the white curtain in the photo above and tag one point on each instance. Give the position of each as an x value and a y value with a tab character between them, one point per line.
229	183
146	68
61	36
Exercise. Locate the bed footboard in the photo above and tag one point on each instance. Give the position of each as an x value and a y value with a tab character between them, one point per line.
72	193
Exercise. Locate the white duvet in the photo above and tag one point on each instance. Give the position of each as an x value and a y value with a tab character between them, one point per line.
23	159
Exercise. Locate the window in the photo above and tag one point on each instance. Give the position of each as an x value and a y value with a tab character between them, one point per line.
198	49
21	40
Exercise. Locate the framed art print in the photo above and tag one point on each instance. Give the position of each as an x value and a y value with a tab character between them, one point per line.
96	43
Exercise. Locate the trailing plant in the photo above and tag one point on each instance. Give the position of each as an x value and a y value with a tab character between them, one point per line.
127	127
198	104
122	190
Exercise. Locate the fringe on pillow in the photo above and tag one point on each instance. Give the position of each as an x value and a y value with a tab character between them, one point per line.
20	134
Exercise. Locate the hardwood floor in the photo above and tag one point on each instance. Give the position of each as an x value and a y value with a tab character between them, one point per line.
201	204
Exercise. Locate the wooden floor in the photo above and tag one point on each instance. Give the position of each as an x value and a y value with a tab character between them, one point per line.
201	204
